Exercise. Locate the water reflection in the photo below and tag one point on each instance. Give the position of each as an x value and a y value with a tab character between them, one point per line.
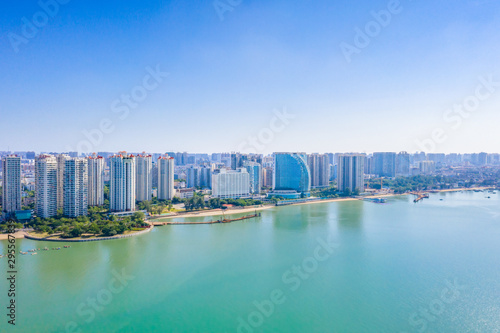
300	216
350	214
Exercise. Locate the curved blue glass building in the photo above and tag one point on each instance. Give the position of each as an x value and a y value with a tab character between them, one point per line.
291	173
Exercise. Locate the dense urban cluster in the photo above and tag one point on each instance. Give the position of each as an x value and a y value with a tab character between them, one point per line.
101	193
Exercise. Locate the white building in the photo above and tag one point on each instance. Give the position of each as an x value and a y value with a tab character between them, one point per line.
166	189
46	186
95	165
75	186
144	177
122	182
230	183
11	186
184	193
351	172
61	159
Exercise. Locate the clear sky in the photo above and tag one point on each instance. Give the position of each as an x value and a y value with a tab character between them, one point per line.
233	65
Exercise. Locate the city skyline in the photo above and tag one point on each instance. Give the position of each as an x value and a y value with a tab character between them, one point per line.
227	75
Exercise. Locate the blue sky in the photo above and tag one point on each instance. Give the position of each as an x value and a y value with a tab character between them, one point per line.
228	78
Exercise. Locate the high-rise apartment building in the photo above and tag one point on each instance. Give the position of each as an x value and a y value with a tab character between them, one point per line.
193	175
122	182
46	185
11	183
350	170
384	164
319	166
75	185
254	170
165	167
403	164
95	166
61	160
230	183
267	177
427	167
144	177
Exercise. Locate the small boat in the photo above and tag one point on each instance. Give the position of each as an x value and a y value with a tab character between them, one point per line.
34	253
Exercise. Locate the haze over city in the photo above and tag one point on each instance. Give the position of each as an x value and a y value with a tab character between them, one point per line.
229	70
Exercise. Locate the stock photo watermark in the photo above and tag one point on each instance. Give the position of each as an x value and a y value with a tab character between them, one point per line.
223	6
455	115
430	312
87	309
257	143
30	27
372	29
121	107
292	279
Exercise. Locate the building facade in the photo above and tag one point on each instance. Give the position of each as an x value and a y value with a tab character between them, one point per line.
350	170
291	172
403	164
75	184
144	177
11	183
254	170
122	182
61	162
165	167
384	164
46	186
95	166
230	183
319	166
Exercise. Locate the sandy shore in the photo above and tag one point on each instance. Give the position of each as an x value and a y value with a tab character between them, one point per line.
218	212
19	234
214	212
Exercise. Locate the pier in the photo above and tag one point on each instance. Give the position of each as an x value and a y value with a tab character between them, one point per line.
421	196
223	220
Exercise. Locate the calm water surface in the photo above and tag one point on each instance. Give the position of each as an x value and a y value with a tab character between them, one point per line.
395	267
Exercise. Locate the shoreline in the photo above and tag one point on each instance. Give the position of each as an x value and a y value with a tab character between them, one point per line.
247	210
17	235
26	235
212	212
218	212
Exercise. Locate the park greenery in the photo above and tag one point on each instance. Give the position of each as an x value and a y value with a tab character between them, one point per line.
96	223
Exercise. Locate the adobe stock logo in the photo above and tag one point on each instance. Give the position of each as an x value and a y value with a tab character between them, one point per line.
257	143
456	115
223	6
292	278
373	28
88	309
122	108
430	312
31	27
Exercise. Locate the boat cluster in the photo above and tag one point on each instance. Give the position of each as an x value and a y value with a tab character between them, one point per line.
33	251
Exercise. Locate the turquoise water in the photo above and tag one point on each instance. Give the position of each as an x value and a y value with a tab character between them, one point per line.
362	267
